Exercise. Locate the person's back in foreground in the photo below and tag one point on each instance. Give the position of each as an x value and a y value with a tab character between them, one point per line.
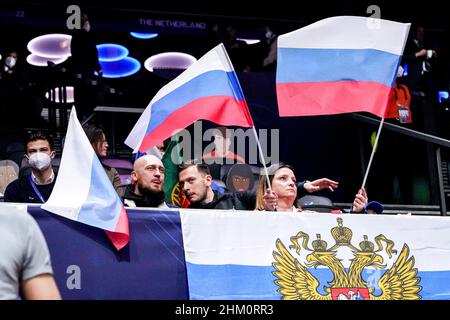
25	266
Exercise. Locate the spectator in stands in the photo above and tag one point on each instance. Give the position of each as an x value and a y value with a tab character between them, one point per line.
25	264
146	189
37	186
20	105
222	153
420	58
270	60
284	196
98	141
237	49
195	179
214	36
240	178
84	63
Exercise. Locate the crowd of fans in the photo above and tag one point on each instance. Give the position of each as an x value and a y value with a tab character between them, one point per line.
19	96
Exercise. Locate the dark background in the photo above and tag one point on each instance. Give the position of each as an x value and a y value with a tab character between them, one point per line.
334	146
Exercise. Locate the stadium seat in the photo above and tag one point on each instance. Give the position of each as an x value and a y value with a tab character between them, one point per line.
9	171
316	203
123	167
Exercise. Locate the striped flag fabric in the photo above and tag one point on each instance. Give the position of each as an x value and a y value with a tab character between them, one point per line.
339	65
250	255
208	90
83	191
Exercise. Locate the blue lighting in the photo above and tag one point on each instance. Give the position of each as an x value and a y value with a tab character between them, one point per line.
111	52
121	68
141	35
443	95
405	70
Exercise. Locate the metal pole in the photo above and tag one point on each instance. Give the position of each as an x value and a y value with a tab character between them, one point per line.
261	155
373	152
440	182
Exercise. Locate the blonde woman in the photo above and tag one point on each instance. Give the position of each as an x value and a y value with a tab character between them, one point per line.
283	195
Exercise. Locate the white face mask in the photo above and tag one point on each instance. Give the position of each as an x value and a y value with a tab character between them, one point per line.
10	62
87	26
269	34
39	161
400	71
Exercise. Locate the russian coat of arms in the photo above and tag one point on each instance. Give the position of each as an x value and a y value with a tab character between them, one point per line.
296	282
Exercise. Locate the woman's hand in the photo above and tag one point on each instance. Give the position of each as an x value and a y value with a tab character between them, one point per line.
319	184
270	200
360	201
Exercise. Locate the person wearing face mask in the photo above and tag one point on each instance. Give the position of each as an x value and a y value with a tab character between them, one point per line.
37	186
21	99
10	62
269	62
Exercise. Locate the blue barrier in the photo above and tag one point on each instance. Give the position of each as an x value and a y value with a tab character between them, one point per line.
151	266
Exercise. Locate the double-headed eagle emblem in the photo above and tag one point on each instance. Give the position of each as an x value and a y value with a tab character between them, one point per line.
297	283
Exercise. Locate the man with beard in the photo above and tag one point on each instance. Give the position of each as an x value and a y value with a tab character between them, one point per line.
147	187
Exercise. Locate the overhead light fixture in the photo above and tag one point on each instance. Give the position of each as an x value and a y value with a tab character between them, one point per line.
53	46
120	68
140	35
111	52
249	41
39	61
169	60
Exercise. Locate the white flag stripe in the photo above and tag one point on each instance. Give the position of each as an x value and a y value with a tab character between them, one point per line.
77	172
215	59
349	32
136	135
248	238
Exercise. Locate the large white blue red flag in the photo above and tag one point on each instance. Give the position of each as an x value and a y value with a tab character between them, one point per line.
208	90
315	256
339	65
83	191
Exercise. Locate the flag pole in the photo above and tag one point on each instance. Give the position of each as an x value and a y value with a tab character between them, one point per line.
373	152
261	155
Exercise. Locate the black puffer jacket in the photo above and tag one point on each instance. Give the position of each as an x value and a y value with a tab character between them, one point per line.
237	201
143	201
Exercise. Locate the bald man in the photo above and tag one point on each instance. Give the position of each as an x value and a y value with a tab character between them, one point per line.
147	187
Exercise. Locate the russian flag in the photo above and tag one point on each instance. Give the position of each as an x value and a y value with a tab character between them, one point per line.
207	90
83	191
339	65
250	255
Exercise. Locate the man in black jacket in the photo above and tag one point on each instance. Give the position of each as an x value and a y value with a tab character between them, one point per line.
195	179
148	181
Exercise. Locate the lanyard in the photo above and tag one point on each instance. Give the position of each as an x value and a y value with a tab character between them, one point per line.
36	190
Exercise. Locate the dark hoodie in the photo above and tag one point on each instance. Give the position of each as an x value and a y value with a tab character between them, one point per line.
151	199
